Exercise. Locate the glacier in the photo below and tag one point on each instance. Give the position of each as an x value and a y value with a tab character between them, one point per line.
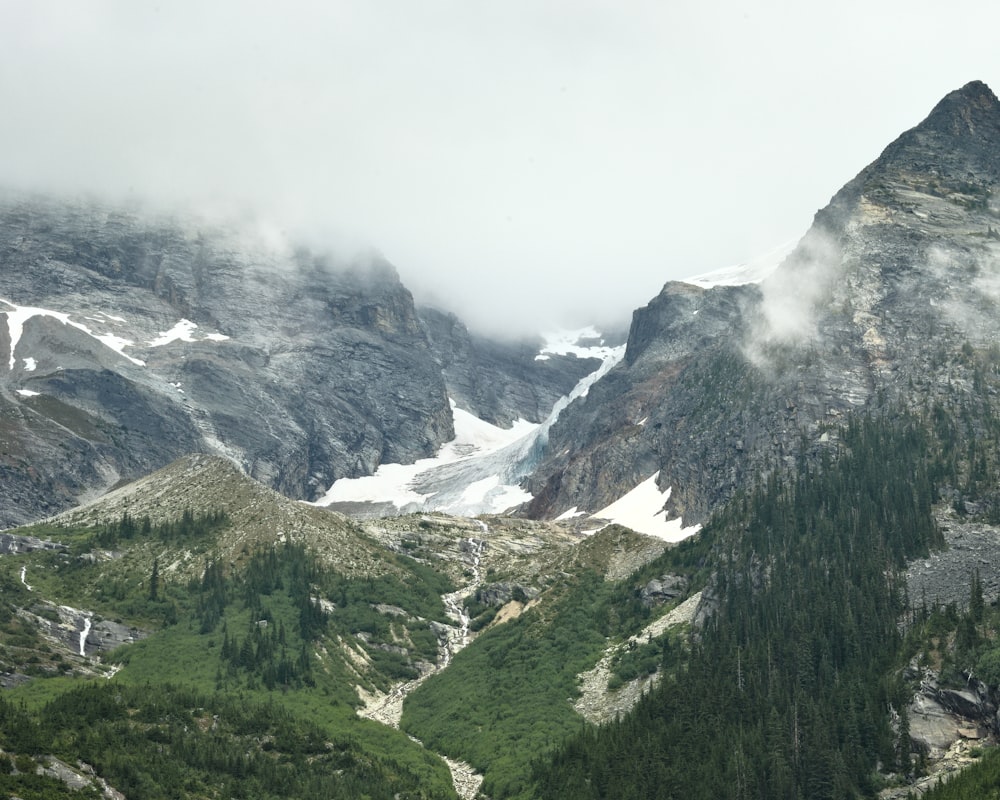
479	471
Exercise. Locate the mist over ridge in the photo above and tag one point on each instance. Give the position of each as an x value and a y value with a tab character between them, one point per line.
522	166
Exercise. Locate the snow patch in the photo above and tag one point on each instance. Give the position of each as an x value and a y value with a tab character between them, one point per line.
181	331
29	364
21	314
573	512
642	510
27	393
574	343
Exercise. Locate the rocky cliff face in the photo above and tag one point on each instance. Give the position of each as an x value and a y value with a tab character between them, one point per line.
499	381
136	341
891	296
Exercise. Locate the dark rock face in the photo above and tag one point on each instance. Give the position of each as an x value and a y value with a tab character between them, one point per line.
499	594
663	590
500	381
301	368
891	297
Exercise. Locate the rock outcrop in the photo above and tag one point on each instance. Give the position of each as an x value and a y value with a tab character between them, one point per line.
501	381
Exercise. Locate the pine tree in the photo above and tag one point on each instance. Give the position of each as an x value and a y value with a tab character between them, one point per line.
154	580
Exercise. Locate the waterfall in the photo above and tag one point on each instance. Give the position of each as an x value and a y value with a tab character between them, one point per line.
83	635
24	572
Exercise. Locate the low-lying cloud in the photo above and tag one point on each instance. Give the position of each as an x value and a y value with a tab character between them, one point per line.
523	163
793	297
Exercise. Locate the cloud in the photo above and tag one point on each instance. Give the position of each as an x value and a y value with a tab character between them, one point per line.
794	295
520	163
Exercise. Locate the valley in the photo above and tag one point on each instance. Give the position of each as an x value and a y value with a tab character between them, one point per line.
335	544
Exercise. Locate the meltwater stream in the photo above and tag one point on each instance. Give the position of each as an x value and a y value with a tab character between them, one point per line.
389	709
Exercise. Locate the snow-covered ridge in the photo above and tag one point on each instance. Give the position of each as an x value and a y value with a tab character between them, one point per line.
478	472
753	271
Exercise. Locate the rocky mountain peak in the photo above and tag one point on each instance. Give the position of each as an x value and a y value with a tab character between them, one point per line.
952	154
882	301
972	110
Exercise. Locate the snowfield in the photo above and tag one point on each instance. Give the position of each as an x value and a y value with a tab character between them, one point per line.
753	271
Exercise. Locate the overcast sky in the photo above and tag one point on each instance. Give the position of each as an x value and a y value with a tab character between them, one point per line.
523	163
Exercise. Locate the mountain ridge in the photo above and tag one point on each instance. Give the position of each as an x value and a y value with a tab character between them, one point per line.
134	339
893	278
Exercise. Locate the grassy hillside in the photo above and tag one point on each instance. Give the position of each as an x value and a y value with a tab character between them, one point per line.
268	653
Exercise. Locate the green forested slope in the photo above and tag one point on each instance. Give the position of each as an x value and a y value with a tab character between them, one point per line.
786	691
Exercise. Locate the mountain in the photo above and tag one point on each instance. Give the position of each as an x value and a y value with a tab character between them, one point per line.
134	339
830	631
889	298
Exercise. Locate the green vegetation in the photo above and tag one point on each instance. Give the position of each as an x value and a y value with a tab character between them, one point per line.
641	660
268	704
785	694
507	698
981	781
161	741
795	688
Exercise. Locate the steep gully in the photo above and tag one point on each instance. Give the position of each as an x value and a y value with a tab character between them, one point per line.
389	708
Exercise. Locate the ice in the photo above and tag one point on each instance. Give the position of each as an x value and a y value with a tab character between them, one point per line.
478	472
394	483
